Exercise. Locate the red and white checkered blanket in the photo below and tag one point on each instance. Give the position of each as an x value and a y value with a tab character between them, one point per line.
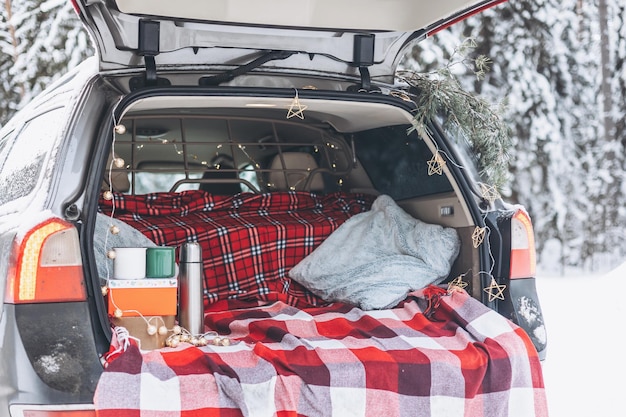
459	359
249	241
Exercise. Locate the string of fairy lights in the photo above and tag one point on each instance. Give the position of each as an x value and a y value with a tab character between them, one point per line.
156	325
480	235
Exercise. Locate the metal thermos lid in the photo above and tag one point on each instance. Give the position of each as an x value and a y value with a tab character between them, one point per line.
191	252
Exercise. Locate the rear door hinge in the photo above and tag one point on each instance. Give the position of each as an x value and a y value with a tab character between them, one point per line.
148	47
363	57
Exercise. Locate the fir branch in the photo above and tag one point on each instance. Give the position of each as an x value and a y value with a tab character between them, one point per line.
464	114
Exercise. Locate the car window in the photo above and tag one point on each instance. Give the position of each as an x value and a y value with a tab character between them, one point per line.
4	140
463	148
397	163
152	182
249	174
23	158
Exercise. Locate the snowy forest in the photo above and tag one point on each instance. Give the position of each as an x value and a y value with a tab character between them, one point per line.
558	65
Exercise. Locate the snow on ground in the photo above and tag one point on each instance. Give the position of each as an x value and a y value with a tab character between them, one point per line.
585	368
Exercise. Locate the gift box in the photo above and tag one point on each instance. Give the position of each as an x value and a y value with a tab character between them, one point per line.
138	328
142	297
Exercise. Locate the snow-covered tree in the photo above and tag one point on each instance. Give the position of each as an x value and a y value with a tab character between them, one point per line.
10	93
39	41
619	113
546	64
611	151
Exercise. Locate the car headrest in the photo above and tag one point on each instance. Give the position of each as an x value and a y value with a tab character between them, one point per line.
291	171
225	182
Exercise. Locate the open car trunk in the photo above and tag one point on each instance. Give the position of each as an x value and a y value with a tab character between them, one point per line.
334	273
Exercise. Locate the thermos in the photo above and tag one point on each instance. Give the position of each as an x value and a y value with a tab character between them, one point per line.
190	289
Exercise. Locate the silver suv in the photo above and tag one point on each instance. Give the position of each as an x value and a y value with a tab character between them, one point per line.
234	102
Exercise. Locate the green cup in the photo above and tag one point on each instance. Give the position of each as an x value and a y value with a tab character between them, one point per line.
160	262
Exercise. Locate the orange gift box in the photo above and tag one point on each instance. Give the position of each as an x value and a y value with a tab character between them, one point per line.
143	297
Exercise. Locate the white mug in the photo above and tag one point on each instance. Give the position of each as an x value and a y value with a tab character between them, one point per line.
129	263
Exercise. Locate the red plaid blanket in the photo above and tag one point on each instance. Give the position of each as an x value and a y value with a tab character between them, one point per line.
249	241
460	359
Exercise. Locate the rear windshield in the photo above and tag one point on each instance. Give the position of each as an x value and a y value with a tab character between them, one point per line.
397	163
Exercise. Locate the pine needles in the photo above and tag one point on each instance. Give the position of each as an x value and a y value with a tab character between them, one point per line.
467	116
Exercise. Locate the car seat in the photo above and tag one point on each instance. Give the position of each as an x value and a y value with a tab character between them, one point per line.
295	171
223	178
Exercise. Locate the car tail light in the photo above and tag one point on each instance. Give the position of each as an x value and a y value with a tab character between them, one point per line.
75	6
59	413
523	258
47	265
57	410
462	17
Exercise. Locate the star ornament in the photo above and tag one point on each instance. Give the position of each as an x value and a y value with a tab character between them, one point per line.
456	284
435	165
489	192
478	236
495	290
296	109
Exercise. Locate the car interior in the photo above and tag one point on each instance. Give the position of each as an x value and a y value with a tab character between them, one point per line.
226	147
